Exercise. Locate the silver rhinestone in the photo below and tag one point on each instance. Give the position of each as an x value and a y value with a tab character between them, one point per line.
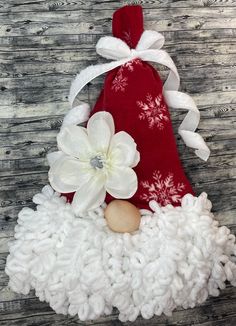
96	162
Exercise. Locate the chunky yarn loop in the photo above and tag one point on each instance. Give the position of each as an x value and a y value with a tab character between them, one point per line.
178	257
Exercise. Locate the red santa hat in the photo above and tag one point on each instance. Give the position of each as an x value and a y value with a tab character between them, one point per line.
134	95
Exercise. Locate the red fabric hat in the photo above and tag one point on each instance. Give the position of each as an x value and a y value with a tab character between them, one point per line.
133	94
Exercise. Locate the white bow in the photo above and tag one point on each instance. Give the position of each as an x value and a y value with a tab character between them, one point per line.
148	49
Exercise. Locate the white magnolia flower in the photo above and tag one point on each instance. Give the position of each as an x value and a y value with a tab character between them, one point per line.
93	161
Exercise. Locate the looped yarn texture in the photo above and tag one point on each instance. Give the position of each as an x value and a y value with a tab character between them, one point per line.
178	257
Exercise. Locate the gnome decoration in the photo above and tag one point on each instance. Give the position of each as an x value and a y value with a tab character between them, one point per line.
158	246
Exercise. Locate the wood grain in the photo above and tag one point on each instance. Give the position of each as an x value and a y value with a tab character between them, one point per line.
98	21
43	44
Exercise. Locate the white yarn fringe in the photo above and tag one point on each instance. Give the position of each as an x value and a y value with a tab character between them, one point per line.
178	257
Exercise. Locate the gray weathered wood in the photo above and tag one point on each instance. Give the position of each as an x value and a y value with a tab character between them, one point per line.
52	5
43	44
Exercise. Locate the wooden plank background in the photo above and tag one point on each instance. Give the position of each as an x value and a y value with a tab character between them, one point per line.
43	44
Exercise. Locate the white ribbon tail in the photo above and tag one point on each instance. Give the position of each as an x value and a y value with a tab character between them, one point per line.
76	115
88	74
179	100
194	140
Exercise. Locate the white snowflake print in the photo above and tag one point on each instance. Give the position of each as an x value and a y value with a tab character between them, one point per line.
120	82
163	190
127	37
154	111
130	64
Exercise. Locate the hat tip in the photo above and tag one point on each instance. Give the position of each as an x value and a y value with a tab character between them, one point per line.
127	24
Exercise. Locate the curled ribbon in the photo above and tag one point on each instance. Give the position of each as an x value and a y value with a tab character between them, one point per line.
147	49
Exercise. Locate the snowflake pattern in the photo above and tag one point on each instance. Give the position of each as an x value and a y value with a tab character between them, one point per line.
130	64
163	190
127	37
154	111
120	82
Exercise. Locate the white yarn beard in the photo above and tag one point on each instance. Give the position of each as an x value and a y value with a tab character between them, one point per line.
178	257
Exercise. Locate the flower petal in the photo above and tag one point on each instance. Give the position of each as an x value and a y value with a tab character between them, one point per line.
123	150
68	174
122	182
54	156
73	140
100	129
90	195
136	159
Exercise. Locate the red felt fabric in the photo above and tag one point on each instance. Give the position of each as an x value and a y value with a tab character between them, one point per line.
132	93
127	24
